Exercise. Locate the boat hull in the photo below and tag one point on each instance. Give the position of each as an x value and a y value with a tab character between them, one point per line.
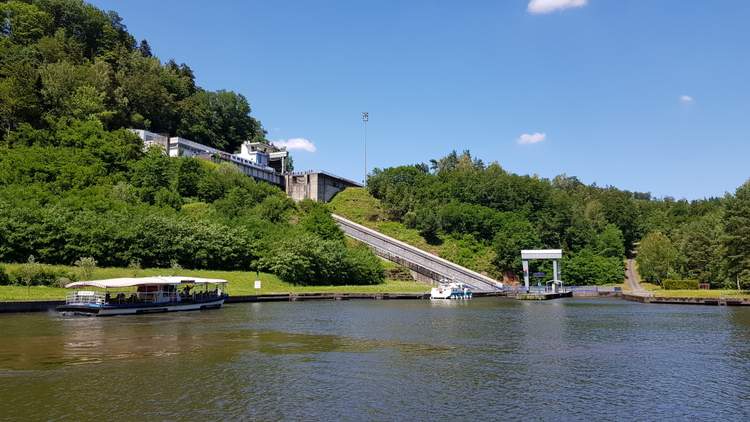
112	310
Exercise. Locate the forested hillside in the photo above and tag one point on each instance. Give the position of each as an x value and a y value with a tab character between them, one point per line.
63	60
459	198
74	183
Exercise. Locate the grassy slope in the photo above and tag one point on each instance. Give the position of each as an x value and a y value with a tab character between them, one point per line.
240	283
359	206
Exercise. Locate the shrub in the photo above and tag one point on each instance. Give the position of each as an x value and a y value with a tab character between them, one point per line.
86	266
317	220
4	277
677	284
586	268
309	260
42	276
63	281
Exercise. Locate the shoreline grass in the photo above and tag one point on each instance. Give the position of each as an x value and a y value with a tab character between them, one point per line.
658	291
240	283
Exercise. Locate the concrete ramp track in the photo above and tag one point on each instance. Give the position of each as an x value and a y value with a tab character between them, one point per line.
424	263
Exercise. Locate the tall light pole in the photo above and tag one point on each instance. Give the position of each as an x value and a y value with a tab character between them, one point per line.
365	119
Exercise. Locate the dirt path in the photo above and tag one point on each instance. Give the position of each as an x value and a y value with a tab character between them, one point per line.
633	279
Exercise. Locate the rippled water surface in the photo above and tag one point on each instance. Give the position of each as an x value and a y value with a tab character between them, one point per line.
382	360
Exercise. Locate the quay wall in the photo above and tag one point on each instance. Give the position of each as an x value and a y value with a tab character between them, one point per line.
708	301
47	305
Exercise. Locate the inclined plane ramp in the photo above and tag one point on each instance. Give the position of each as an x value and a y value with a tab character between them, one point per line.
415	259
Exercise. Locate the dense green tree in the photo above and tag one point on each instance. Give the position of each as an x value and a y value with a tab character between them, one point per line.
428	224
189	174
317	219
219	119
309	260
23	23
152	173
514	235
736	238
610	243
657	257
699	242
587	268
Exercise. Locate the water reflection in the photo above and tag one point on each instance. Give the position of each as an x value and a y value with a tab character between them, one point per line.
382	360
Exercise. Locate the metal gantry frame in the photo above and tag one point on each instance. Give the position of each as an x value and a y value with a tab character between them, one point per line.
555	255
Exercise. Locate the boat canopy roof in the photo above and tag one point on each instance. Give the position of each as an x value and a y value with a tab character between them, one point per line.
143	281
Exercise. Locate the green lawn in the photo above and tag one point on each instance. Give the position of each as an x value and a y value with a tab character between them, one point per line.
240	283
718	293
359	206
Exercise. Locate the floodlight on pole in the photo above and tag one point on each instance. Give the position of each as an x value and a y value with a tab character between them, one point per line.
365	119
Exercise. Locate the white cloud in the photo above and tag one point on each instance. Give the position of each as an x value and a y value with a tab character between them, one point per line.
296	144
531	138
686	99
539	7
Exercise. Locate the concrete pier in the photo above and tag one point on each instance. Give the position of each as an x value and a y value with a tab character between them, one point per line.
543	295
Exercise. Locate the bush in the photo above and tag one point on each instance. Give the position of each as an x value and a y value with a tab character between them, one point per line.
586	268
31	274
309	260
86	266
4	277
676	284
316	219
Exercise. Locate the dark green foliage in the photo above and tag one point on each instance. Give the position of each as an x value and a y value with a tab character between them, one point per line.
4	277
610	243
657	257
74	183
274	208
317	219
478	220
684	284
700	245
189	173
736	238
309	260
38	275
515	234
168	198
513	212
588	268
152	174
428	224
63	59
218	119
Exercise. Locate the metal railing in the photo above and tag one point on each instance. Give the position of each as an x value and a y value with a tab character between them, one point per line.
87	298
415	259
122	298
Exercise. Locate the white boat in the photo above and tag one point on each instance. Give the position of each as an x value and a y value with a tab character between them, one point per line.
141	295
452	290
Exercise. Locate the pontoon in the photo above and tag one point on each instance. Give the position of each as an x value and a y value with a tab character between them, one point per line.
140	295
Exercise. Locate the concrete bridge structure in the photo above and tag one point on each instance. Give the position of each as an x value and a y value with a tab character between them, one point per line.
423	264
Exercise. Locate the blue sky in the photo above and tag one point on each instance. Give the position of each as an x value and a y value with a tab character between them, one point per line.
644	95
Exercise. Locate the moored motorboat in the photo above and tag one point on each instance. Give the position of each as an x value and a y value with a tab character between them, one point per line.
140	295
451	290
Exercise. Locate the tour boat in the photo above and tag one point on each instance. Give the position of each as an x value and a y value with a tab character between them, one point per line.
141	295
451	291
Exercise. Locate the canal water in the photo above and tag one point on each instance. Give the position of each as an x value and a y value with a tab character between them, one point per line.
484	359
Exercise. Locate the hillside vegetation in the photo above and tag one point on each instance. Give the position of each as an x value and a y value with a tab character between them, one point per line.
482	216
359	206
240	283
74	183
